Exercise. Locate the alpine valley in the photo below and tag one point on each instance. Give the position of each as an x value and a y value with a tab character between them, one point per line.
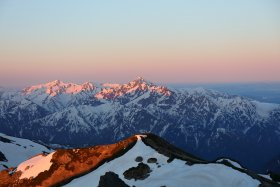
205	123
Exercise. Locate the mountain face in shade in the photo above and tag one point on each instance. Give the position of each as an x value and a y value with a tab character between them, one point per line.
207	123
15	150
141	160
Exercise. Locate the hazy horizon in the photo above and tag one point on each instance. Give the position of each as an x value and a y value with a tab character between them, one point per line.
163	41
171	84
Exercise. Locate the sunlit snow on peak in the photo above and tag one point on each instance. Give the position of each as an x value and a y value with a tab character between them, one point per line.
58	87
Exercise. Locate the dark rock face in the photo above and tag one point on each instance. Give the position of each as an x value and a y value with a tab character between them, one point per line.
2	157
152	160
5	140
275	177
111	179
139	159
170	151
273	165
170	159
140	172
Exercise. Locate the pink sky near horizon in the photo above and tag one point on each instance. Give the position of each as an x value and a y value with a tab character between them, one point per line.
176	42
167	65
174	63
157	71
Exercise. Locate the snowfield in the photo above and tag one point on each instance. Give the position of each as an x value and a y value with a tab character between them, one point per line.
34	166
17	150
175	173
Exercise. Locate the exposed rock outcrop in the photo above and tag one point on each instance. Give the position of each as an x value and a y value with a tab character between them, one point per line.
111	179
140	172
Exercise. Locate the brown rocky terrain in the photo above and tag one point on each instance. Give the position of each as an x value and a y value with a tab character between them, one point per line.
69	164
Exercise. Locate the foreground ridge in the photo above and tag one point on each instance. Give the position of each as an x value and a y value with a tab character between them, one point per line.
143	159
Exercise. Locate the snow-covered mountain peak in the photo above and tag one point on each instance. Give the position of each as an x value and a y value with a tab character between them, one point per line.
200	119
140	136
58	87
55	82
141	80
110	85
87	86
139	85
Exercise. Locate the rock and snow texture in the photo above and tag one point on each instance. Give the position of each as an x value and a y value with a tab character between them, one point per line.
16	150
34	166
205	122
264	109
141	160
164	173
140	85
233	163
58	87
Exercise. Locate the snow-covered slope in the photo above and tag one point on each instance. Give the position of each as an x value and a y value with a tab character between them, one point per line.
32	167
141	160
58	87
164	173
56	95
205	122
113	91
15	150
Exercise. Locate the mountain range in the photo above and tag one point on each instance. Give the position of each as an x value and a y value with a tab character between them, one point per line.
206	123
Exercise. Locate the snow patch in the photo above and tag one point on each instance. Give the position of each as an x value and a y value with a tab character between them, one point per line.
110	85
19	146
57	87
35	165
264	109
266	176
139	137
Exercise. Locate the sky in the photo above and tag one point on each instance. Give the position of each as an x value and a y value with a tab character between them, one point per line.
178	41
